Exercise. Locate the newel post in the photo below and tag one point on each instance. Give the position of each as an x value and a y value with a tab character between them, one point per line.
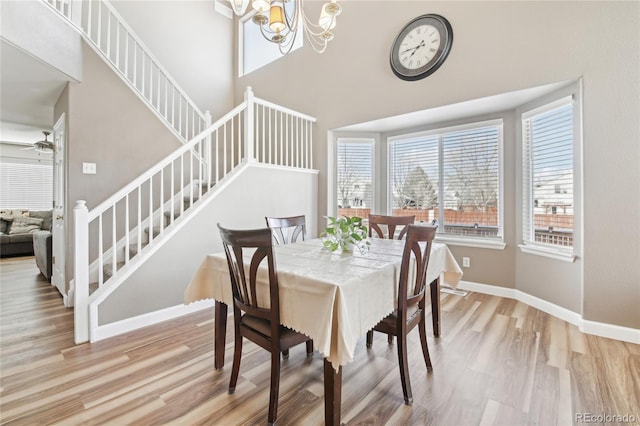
248	125
81	271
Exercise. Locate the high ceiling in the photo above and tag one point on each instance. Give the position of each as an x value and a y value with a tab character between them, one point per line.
28	92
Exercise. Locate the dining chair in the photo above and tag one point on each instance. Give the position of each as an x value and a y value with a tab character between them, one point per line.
287	230
391	222
411	300
251	319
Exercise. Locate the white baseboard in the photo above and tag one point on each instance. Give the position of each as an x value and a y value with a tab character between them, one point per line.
611	331
151	318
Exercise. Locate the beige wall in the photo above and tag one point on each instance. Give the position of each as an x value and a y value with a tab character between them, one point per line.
107	124
501	47
191	41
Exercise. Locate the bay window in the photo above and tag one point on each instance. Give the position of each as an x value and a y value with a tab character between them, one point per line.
452	177
548	177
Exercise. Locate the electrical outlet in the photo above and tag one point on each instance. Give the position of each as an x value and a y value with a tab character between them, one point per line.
466	262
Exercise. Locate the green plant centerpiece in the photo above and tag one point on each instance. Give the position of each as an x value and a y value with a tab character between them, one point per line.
345	233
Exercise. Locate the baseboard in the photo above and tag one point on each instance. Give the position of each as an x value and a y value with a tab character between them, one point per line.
626	334
611	331
151	318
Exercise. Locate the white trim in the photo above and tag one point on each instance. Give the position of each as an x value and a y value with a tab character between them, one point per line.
550	253
494	244
611	331
566	100
144	320
617	332
223	9
254	163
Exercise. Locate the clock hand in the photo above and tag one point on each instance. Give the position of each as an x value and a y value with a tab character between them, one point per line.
414	48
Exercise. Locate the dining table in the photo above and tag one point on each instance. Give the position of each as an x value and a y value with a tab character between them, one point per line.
332	297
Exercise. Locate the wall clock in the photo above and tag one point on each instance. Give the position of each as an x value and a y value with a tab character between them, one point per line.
421	47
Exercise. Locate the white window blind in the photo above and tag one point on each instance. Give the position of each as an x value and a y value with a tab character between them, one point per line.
26	185
547	167
413	173
354	174
451	176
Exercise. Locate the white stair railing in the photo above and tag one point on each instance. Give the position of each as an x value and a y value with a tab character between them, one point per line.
108	34
117	233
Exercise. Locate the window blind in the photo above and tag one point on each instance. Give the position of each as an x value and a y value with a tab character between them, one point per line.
548	202
355	174
451	176
413	173
25	185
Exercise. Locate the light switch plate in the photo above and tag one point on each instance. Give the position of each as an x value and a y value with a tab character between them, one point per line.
89	168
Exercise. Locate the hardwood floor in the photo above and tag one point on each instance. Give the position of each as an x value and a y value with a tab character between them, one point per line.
498	362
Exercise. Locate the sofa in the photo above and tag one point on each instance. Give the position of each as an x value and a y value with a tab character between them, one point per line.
17	228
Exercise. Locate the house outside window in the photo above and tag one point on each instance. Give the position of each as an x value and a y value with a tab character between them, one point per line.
452	177
548	176
354	177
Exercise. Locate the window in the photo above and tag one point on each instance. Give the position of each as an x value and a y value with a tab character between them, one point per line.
255	51
354	177
450	176
547	176
26	185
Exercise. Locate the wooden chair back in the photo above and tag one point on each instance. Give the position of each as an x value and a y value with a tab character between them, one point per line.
287	230
391	222
256	243
418	244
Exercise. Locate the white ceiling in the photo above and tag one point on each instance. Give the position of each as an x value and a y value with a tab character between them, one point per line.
28	91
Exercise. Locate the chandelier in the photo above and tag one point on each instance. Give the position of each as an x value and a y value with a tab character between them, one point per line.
280	21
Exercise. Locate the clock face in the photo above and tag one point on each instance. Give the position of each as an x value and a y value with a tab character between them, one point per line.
421	47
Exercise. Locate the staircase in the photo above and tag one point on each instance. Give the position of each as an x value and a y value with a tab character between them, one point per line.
111	38
115	238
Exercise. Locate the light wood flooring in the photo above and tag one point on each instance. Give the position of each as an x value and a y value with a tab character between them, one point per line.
498	362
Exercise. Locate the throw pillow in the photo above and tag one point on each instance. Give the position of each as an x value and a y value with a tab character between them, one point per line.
45	215
25	225
4	225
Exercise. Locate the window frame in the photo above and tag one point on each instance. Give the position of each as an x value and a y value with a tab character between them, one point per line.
356	140
497	242
44	197
242	21
566	254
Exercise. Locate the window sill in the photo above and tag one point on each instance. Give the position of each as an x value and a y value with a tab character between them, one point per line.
550	253
468	242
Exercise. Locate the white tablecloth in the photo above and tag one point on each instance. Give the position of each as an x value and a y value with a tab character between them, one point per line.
334	298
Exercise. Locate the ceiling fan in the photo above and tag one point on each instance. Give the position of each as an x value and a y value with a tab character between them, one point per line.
46	146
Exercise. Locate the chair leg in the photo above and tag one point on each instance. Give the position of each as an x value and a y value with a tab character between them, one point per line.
237	356
275	387
309	348
403	364
369	338
422	328
285	354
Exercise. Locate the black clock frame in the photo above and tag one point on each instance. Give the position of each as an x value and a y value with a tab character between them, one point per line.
446	32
